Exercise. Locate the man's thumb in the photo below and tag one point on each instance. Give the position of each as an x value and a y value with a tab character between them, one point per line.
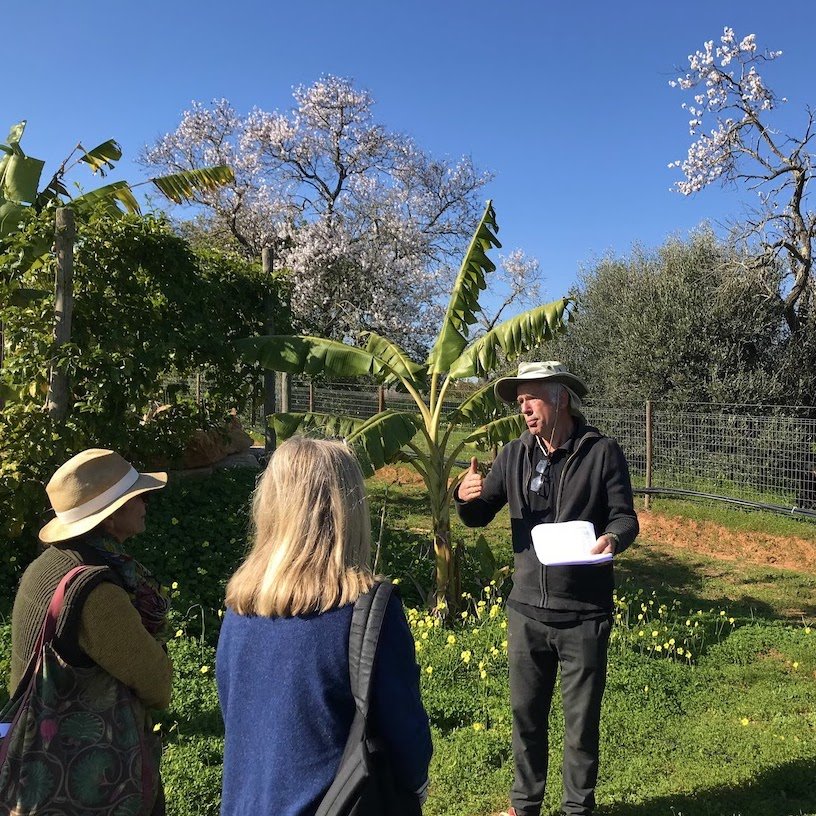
474	465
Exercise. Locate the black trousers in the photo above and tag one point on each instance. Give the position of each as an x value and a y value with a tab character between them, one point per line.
535	652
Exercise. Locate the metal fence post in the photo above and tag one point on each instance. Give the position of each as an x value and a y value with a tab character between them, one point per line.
647	498
267	263
57	400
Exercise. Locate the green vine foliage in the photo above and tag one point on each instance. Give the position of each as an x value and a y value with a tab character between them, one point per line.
146	307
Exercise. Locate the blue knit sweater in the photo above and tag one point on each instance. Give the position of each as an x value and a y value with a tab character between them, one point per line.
286	700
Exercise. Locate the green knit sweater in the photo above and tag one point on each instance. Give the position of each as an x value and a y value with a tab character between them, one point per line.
98	624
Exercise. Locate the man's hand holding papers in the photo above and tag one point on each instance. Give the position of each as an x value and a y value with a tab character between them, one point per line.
571	543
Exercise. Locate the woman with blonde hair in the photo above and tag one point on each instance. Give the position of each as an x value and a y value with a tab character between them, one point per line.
282	663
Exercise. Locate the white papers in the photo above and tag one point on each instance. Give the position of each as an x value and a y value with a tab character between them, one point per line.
566	543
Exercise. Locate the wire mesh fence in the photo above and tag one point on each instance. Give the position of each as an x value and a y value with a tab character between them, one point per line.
751	453
763	454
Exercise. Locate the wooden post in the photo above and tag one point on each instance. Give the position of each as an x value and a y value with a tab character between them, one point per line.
286	392
647	498
57	401
2	349
380	399
267	262
311	396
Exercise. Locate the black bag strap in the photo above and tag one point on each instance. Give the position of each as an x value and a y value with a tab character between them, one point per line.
366	624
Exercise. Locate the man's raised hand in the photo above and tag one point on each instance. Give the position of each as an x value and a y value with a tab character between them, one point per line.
471	485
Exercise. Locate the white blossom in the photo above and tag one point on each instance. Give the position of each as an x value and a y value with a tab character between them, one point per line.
728	89
368	223
735	139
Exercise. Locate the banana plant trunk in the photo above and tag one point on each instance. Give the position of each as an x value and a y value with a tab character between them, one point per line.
447	580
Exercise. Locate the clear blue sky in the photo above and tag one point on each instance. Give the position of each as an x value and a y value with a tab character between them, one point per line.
568	104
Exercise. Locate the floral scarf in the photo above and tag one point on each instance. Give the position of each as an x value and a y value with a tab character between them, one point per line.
148	596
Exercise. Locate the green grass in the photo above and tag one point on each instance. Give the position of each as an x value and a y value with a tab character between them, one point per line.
729	730
725	485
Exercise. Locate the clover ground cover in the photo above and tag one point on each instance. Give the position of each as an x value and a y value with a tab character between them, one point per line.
711	698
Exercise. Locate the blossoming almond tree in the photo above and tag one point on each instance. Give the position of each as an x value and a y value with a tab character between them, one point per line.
427	433
745	146
368	222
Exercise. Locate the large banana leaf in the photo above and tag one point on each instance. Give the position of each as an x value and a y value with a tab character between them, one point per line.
377	440
179	187
464	300
20	177
11	214
498	432
297	354
480	407
111	193
514	336
103	156
397	359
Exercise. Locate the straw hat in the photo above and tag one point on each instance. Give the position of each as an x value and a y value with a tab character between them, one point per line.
88	488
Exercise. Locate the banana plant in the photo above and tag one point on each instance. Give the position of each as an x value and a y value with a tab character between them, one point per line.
20	177
423	437
21	197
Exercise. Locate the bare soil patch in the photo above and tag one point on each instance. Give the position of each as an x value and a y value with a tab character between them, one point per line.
399	474
703	537
713	540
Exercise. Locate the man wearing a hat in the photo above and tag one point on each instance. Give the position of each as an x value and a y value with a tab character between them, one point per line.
560	469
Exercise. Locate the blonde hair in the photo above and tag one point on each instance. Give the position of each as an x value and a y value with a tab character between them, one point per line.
311	533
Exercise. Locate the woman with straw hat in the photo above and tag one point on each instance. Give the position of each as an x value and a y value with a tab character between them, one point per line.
114	612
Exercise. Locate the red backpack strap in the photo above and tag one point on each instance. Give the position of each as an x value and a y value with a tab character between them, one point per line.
49	626
47	632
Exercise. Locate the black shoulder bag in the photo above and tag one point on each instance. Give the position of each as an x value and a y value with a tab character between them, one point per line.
364	784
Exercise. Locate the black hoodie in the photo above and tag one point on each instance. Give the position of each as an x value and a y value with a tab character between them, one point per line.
594	486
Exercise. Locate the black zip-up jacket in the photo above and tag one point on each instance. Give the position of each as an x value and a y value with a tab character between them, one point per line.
594	486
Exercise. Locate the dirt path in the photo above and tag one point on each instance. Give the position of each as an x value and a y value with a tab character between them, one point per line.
714	541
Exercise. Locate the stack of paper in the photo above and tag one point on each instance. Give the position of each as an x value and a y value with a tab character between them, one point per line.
566	543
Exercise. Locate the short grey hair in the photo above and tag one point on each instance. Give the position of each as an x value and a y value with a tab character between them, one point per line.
554	391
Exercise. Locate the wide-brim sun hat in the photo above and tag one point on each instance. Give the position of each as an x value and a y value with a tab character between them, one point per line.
506	388
88	488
